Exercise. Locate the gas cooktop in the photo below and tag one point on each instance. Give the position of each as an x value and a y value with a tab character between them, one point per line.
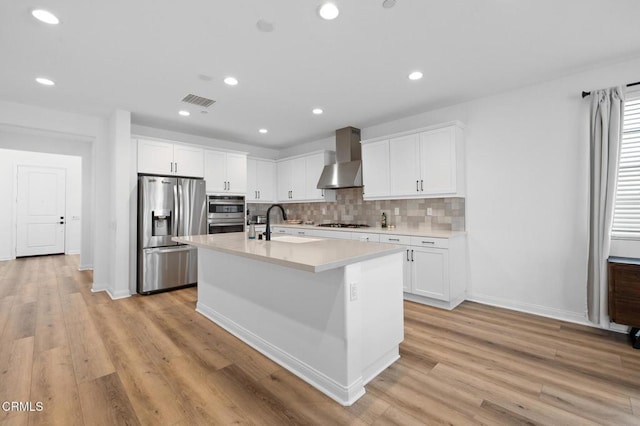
344	225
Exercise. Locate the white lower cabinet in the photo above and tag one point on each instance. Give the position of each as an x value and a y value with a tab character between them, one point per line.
434	269
430	273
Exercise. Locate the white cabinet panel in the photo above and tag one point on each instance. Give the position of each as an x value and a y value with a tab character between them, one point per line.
284	175
252	176
225	172
404	165
314	164
365	237
165	158
261	180
438	161
236	173
155	157
431	273
215	174
265	180
298	179
375	169
188	160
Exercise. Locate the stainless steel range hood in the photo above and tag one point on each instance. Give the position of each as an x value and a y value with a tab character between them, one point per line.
347	172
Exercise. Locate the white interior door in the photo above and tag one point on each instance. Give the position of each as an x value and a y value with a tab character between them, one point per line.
40	211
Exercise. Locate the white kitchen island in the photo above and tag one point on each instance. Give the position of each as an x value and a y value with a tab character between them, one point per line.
330	311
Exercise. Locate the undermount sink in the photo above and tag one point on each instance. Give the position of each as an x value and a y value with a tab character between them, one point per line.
294	239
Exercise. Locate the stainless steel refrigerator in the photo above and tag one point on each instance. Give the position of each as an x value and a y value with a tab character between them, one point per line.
168	207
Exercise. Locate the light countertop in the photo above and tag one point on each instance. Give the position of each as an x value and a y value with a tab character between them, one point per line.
316	255
401	230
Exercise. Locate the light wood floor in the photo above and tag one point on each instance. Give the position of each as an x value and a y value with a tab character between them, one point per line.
153	360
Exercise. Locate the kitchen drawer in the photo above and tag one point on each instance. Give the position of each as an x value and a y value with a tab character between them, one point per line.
365	236
328	233
404	240
285	231
430	242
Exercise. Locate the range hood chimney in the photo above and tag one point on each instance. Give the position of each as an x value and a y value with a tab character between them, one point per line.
347	171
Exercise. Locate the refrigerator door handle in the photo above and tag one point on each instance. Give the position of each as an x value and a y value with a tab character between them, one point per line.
176	221
181	247
180	208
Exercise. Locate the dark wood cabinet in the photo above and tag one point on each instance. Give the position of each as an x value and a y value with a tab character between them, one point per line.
624	293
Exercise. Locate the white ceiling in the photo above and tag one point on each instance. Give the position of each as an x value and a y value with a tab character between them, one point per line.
144	56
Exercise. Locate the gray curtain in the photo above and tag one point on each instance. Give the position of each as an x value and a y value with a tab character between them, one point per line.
606	133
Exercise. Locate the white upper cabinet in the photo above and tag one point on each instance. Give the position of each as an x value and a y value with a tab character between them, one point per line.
438	161
297	178
225	172
420	164
188	160
291	179
404	165
166	158
261	178
376	175
314	164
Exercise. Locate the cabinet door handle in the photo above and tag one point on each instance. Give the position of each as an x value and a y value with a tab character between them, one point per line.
394	239
417	188
412	255
408	255
421	185
172	167
428	242
176	167
258	194
229	185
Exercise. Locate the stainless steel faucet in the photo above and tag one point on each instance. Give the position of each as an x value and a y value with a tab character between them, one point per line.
267	234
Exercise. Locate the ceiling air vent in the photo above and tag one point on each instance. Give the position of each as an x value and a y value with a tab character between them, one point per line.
198	100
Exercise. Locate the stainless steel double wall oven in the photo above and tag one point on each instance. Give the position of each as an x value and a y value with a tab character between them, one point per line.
226	214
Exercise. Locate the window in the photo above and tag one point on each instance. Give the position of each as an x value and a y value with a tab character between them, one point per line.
626	212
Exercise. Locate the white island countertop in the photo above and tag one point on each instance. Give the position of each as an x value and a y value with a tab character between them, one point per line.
311	254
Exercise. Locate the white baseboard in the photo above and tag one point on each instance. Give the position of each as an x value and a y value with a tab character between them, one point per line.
72	252
2	259
345	395
543	311
114	296
85	268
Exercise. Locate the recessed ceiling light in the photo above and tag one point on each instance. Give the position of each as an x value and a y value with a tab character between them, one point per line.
263	131
45	16
328	11
45	81
388	4
416	75
231	81
317	111
184	113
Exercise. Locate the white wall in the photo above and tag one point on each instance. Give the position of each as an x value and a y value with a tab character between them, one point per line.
9	160
26	127
527	155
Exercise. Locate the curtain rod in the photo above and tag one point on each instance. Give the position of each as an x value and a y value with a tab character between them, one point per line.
585	94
